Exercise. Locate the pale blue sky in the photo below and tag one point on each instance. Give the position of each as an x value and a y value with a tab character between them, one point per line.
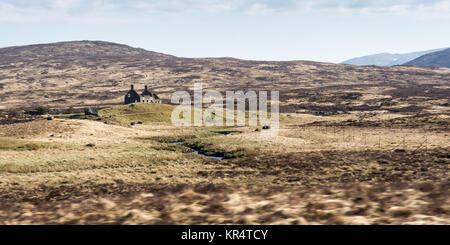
320	30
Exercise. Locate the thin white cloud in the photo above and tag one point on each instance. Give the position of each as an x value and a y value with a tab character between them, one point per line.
219	6
259	9
69	12
139	10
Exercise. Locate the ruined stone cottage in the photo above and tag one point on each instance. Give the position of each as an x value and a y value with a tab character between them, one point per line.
146	97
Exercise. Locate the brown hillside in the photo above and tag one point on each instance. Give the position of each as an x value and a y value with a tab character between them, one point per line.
95	72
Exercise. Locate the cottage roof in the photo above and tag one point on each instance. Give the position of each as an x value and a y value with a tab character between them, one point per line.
132	92
148	93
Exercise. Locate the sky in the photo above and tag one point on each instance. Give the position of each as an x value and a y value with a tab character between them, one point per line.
318	30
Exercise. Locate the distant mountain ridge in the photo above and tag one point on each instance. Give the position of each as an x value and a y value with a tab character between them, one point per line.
388	59
436	59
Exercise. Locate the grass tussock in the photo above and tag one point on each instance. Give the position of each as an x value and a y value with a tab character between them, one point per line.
221	147
196	133
152	204
138	112
173	147
160	113
35	128
23	145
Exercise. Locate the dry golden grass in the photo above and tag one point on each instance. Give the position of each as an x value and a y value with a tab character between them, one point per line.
80	150
89	163
210	204
35	128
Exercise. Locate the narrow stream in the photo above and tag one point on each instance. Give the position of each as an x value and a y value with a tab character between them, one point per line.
196	152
